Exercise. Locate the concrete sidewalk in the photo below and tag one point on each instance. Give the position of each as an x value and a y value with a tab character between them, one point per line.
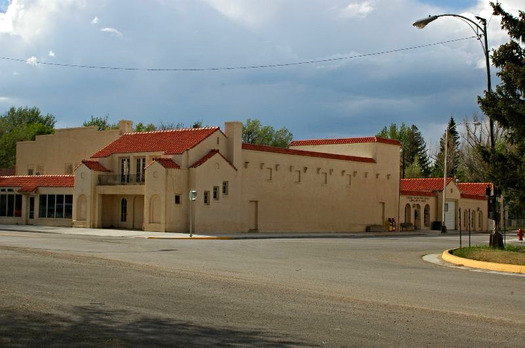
224	236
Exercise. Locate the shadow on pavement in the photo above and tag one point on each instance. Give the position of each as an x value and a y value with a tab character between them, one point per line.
98	327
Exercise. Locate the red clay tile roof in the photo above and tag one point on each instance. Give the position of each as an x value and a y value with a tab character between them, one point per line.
167	163
306	153
170	142
208	156
345	141
422	186
473	190
428	187
95	166
29	183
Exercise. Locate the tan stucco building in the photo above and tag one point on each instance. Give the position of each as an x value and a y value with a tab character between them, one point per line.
421	205
142	181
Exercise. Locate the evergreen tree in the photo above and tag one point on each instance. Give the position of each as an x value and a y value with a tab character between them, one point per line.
506	105
414	149
453	154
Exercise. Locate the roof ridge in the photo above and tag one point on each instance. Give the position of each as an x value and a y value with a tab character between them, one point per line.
39	176
348	140
171	130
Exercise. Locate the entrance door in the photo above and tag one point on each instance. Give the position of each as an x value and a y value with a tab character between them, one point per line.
138	212
31	209
450	215
253	215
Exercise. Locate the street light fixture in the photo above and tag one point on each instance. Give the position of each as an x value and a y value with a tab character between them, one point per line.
480	29
445	160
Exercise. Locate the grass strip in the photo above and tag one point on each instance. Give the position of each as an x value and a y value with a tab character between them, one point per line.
512	254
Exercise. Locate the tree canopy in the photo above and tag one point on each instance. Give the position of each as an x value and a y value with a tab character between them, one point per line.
20	124
253	132
506	105
101	122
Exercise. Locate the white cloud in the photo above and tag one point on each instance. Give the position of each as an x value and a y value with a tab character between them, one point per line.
95	20
357	9
112	31
249	12
32	61
30	19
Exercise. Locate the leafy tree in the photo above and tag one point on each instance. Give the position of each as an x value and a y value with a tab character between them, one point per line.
141	127
253	132
506	105
101	122
21	124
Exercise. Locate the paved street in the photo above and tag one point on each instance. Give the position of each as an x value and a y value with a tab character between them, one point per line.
62	290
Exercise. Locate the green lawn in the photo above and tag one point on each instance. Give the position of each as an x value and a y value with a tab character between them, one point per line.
512	254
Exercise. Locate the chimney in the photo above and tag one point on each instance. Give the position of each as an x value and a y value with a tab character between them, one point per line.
125	126
233	132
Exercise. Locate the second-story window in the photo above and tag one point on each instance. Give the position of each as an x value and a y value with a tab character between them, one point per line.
124	170
141	169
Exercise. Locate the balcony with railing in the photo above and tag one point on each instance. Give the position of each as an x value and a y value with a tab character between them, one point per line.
120	179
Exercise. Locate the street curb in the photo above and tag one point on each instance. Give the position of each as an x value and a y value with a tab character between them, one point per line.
493	266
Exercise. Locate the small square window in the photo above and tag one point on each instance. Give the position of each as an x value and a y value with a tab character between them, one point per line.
216	193
177	199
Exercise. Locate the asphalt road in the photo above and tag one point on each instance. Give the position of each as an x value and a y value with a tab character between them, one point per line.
84	291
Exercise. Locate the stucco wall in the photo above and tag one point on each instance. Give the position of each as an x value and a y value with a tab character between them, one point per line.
305	194
61	152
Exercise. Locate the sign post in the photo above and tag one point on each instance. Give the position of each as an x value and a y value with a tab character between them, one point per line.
193	197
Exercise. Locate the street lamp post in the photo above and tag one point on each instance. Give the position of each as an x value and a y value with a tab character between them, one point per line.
496	239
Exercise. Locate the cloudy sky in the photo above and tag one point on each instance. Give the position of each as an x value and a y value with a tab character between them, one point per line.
362	64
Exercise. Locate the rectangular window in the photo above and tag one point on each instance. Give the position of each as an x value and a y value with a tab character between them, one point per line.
177	199
3	205
206	197
216	193
60	207
11	205
30	171
54	206
124	170
141	169
68	207
225	188
51	206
